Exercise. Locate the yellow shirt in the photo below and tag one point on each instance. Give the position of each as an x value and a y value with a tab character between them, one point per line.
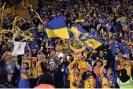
90	82
71	68
128	67
33	68
39	69
77	52
25	76
82	65
85	54
124	64
105	83
33	72
75	79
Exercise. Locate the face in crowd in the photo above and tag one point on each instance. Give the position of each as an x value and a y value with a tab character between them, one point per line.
109	71
76	71
52	66
26	66
98	63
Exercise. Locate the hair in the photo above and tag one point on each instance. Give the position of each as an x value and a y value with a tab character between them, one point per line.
72	58
96	62
108	67
33	62
26	63
123	72
46	79
75	65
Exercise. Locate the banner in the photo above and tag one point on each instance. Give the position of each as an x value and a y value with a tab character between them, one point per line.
18	48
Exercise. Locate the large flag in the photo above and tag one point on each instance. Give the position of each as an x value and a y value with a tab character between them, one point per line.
83	37
89	38
77	30
81	33
93	43
57	28
19	48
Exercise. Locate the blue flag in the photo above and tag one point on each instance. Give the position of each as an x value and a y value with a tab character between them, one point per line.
57	28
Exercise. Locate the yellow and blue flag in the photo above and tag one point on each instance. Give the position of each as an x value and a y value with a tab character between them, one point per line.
93	43
71	34
57	28
77	30
83	37
81	33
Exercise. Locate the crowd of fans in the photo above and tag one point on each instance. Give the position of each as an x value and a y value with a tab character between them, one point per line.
68	63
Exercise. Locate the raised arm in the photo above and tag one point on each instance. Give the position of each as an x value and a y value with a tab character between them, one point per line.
17	65
30	52
70	44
